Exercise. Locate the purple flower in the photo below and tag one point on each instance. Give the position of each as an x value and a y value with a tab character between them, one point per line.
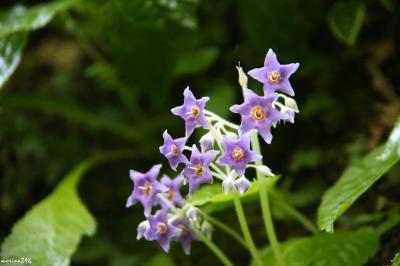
173	194
242	184
192	111
172	149
274	75
145	188
161	230
186	234
197	170
237	153
257	113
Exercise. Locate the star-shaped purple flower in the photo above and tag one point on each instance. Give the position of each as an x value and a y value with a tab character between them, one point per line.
192	111
258	113
186	234
237	153
172	149
197	170
274	75
162	230
145	188
173	193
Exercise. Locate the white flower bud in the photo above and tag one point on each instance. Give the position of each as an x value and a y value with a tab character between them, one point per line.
206	142
242	77
242	184
142	229
193	214
228	184
265	170
207	229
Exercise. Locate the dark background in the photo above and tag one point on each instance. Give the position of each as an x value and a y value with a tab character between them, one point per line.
128	62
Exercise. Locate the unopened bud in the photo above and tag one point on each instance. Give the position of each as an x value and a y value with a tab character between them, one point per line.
207	229
242	77
228	184
242	184
265	170
206	142
142	229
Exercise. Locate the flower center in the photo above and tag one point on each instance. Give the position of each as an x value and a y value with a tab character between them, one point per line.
170	195
258	113
274	77
162	228
174	150
185	231
147	189
198	171
195	111
238	154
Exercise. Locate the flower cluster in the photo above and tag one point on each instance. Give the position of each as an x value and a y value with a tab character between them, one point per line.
225	153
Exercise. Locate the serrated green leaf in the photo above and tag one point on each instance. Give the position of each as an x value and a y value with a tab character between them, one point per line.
50	232
215	193
196	61
396	259
356	179
341	248
21	19
345	20
10	54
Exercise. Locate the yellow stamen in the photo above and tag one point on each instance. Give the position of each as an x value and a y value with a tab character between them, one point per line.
238	154
162	227
274	77
258	113
195	111
198	171
170	195
174	150
147	189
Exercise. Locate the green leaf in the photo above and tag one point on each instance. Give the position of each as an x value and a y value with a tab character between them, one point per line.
341	248
215	193
357	179
21	19
396	259
345	20
10	54
196	62
50	232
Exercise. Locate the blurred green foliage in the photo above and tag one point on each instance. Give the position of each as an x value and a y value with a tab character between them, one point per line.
103	75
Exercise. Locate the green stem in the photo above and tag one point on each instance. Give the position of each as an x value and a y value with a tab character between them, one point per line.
224	227
266	212
218	252
292	211
245	229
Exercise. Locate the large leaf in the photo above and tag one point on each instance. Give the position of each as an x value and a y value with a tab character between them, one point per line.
10	54
345	20
356	179
50	232
21	19
396	260
341	248
215	193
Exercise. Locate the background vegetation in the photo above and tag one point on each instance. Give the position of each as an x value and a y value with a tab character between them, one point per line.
103	75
